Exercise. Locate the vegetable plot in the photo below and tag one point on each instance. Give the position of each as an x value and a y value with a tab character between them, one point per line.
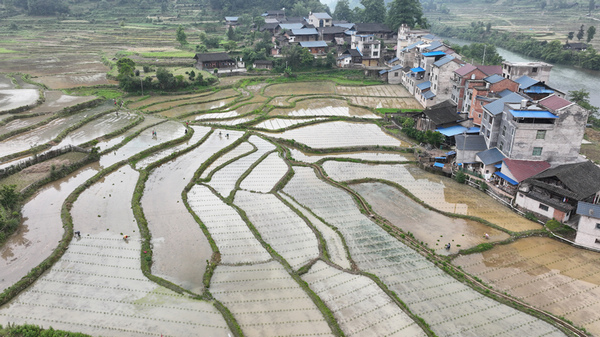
279	227
236	242
266	301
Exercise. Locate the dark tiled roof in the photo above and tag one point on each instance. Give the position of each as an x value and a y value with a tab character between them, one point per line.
579	180
490	156
332	30
213	57
470	142
491	70
371	28
442	113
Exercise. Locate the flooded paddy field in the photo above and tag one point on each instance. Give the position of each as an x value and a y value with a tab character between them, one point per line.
545	273
193	100
195	108
338	134
388	90
385	102
282	123
16	98
364	155
98	128
323	107
56	101
300	88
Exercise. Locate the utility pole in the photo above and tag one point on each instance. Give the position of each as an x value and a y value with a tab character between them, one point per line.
142	85
483	61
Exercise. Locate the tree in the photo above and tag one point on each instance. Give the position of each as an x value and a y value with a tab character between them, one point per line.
181	37
229	45
259	21
125	66
374	11
231	34
582	97
166	80
407	12
591	31
343	11
570	36
46	7
9	197
580	33
212	42
591	7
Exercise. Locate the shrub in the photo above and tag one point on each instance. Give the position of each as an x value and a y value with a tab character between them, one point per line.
483	186
531	216
460	177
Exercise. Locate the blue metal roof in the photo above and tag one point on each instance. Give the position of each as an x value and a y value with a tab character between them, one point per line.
428	94
383	71
587	209
449	153
494	78
434	53
491	156
526	81
498	165
396	67
452	130
305	31
505	177
417	70
313	44
532	114
438	164
497	106
473	129
538	89
443	60
424	85
394	60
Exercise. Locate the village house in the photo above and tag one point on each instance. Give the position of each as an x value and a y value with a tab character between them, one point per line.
331	33
441	76
441	115
282	27
588	226
407	36
513	171
492	116
320	19
536	70
315	47
536	89
424	95
368	47
484	91
303	34
274	14
349	57
460	83
210	61
262	64
467	148
490	160
575	46
231	21
556	192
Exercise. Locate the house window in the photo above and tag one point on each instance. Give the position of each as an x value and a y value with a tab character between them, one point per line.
537	151
504	130
395	74
534	70
521	195
488	134
375	53
541	134
598	226
597	241
479	116
501	146
543	207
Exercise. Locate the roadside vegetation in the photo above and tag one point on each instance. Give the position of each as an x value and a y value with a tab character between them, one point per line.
10	211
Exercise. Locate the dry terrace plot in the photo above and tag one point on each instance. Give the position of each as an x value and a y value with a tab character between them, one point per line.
427	290
195	108
358	304
266	174
280	101
437	191
430	227
390	90
176	234
280	227
386	102
335	245
365	155
16	98
231	234
545	273
300	88
266	301
282	123
339	134
224	180
97	287
323	107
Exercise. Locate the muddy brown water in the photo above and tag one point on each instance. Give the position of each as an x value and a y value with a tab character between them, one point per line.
41	229
548	274
428	226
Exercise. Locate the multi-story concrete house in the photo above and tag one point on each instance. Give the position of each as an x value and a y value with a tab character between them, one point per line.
368	46
441	75
320	19
459	82
484	91
536	70
550	130
492	116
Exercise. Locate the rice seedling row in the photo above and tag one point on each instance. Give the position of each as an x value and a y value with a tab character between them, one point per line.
335	246
240	150
339	134
163	98
195	108
282	123
232	122
44	228
448	306
176	234
195	100
225	179
236	242
266	174
359	305
370	156
164	132
432	189
199	133
266	301
279	227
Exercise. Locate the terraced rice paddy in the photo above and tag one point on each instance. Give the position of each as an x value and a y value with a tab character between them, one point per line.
282	251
